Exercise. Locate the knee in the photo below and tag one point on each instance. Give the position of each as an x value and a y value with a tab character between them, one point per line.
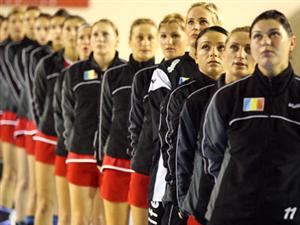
23	184
44	205
8	176
64	219
79	219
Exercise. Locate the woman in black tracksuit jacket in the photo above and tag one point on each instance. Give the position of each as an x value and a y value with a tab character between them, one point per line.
14	43
80	105
69	31
188	163
46	74
173	40
251	135
114	123
210	46
166	78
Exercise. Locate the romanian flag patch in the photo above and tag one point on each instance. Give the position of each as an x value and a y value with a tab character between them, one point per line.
182	80
253	104
90	75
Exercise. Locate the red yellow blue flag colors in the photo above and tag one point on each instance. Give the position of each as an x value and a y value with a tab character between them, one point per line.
254	104
90	75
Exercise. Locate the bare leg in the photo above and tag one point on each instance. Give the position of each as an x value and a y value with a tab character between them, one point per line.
63	200
98	217
22	184
9	176
139	215
81	204
46	194
115	208
31	202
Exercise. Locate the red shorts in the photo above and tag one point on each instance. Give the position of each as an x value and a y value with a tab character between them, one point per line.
82	170
115	185
45	148
8	123
1	113
19	132
60	166
29	134
138	190
29	144
192	221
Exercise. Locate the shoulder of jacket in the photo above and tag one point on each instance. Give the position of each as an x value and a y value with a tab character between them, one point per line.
116	69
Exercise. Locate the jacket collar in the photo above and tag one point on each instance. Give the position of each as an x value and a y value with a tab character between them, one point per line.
139	65
95	65
221	81
277	84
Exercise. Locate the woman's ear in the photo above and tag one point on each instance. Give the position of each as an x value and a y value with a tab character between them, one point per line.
293	43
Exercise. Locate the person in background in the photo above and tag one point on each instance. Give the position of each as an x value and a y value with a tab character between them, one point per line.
168	76
3	28
237	63
69	33
32	56
3	37
114	123
28	43
250	135
46	74
80	105
8	120
211	42
173	41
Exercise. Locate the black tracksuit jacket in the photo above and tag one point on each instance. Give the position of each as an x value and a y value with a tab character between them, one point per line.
169	75
173	108
46	73
4	88
13	51
58	114
189	168
80	104
115	107
22	65
140	128
34	57
251	140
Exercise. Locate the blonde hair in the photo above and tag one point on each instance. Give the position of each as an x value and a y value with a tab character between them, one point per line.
15	10
173	18
141	21
109	22
211	7
245	29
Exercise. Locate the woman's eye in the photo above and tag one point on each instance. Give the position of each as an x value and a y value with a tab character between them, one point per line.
190	22
221	48
257	36
163	36
274	34
234	48
248	49
205	47
203	22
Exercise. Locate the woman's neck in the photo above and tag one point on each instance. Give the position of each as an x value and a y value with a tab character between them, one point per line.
104	60
70	54
230	78
273	71
56	47
192	53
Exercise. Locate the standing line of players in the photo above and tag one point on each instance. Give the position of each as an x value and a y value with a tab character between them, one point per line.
203	137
